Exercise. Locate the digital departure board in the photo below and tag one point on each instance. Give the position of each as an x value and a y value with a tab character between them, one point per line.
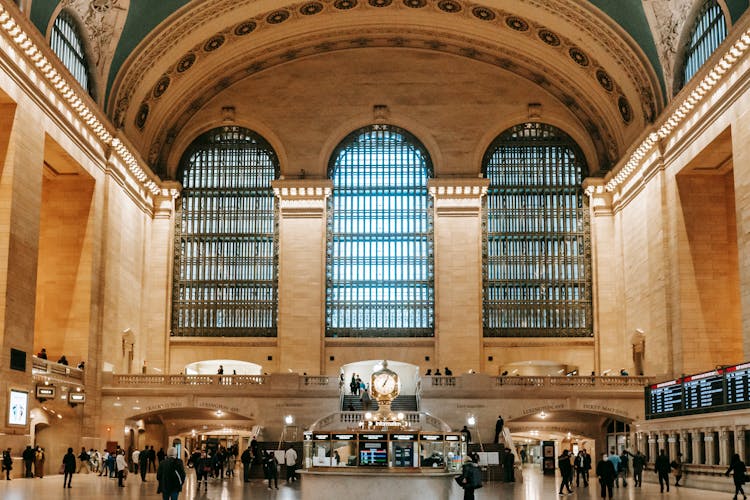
738	384
705	390
665	398
722	389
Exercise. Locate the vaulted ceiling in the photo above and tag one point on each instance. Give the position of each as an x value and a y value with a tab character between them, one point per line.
609	62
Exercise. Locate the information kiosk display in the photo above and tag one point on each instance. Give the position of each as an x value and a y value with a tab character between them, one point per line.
705	390
432	450
403	450
738	384
455	448
373	450
321	449
344	446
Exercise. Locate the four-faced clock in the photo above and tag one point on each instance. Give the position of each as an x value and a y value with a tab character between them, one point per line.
384	384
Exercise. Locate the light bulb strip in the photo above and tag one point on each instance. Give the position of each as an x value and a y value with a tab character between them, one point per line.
59	82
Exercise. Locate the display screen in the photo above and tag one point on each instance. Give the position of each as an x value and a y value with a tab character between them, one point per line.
718	390
705	390
373	453
738	384
18	404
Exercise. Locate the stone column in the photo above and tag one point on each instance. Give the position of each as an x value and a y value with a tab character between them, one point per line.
458	272
724	447
652	451
739	442
302	261
697	446
640	442
683	437
708	439
672	445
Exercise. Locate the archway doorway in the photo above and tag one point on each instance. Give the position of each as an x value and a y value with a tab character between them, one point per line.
408	373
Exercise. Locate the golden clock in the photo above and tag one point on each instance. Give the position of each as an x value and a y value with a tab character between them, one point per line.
384	384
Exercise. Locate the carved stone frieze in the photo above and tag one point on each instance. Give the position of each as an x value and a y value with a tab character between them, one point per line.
667	20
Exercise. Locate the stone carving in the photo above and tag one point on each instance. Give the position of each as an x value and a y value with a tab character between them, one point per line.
667	19
103	21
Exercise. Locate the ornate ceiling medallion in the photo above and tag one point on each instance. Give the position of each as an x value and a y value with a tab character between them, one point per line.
245	28
161	86
345	4
214	43
379	3
483	13
277	17
549	38
311	8
604	80
415	4
578	56
186	62
517	23
449	6
625	110
142	116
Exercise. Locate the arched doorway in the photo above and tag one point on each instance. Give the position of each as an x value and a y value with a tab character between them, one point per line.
408	373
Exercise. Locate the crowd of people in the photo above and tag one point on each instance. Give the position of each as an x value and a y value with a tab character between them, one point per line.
62	360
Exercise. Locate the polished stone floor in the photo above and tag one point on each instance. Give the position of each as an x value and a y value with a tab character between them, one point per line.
534	486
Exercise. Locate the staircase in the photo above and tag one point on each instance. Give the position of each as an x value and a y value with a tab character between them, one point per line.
401	403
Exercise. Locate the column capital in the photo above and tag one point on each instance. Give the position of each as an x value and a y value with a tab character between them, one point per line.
302	189
458	187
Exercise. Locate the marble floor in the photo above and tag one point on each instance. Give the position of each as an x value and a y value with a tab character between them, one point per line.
534	486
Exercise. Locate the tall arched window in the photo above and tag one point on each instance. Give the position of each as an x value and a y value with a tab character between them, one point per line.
67	42
380	251
226	261
537	279
709	30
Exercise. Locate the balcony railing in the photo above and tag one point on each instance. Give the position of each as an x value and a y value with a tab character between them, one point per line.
189	380
595	381
55	371
355	419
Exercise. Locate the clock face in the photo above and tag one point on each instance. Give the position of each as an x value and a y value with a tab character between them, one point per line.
384	383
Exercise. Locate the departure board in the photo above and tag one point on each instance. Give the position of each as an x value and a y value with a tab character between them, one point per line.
665	398
705	390
723	389
738	384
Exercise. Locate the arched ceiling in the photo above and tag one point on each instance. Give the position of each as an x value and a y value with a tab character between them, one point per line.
171	57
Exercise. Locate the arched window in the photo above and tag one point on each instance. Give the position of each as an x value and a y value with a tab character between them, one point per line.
225	276
380	249
709	30
66	41
537	279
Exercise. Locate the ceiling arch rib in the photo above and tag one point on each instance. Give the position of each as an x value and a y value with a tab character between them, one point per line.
150	99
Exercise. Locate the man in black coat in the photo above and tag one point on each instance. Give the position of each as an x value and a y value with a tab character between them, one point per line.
246	459
639	463
662	468
605	471
143	459
171	475
509	461
499	428
28	459
566	471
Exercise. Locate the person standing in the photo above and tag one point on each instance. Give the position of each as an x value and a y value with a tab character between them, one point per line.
467	434
160	455
290	459
134	460
121	464
661	467
69	467
231	462
171	475
246	458
639	462
143	463
39	459
498	428
7	464
471	477
42	354
579	466
676	466
509	461
586	467
202	470
83	460
566	471
605	471
739	471
151	459
272	469
28	456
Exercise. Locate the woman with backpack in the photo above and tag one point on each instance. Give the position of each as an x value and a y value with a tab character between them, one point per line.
471	476
203	468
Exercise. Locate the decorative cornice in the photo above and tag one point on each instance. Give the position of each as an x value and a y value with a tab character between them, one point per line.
681	108
302	189
60	82
457	188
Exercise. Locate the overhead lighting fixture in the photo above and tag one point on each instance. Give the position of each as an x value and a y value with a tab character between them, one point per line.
542	415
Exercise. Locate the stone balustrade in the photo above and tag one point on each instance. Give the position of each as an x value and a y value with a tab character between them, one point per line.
49	371
595	382
353	419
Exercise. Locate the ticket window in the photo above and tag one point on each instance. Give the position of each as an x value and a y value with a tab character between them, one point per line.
344	453
404	450
455	448
432	451
373	453
321	450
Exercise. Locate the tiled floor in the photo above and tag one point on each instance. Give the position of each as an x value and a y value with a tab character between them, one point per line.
535	486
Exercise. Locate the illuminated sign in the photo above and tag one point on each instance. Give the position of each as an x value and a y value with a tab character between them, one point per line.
77	397
45	391
18	406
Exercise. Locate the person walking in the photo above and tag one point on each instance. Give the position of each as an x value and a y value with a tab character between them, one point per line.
151	459
170	475
586	467
143	463
471	477
579	466
509	461
134	459
498	428
605	471
7	463
271	467
623	470
739	471
202	470
83	460
39	459
566	471
661	467
28	460
615	459
290	459
121	465
676	466
160	456
69	467
247	459
639	463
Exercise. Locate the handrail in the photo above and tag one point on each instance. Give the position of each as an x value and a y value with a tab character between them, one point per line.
587	381
353	419
39	366
187	380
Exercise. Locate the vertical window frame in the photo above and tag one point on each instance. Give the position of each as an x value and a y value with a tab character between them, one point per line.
68	43
707	33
